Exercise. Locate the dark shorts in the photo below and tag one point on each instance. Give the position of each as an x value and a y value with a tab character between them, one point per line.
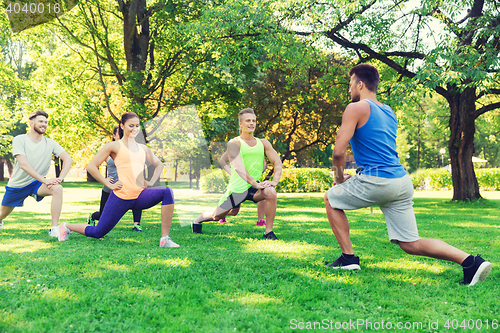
14	197
234	200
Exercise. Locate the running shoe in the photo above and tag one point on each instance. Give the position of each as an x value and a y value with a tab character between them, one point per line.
63	232
54	232
90	220
138	228
261	223
196	228
345	263
167	242
270	235
222	220
477	272
1	224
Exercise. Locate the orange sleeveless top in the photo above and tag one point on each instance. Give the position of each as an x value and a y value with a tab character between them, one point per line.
130	167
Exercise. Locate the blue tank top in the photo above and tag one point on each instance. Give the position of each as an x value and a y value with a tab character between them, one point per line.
374	144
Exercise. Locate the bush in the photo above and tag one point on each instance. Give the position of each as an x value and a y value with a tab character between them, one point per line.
438	179
303	180
214	182
488	179
418	179
300	180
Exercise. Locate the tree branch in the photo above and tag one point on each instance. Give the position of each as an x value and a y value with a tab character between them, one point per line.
100	126
488	92
351	17
436	12
487	108
103	84
113	65
253	34
383	57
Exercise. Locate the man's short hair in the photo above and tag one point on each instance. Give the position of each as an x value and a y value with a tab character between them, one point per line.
37	113
368	74
245	111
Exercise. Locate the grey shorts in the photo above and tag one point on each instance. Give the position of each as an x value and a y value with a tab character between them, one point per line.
394	196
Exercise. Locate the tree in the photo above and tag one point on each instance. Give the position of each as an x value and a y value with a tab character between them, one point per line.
423	130
298	107
462	65
135	56
14	71
487	141
293	86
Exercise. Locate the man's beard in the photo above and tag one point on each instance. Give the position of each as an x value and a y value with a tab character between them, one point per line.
355	98
36	129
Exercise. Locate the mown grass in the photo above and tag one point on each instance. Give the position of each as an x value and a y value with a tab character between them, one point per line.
231	280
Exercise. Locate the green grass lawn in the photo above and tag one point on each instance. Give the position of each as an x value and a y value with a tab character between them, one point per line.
231	280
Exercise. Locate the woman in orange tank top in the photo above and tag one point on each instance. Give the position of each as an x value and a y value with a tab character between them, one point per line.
131	191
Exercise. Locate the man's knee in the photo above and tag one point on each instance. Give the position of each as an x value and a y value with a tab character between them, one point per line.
270	193
327	202
54	190
410	247
58	189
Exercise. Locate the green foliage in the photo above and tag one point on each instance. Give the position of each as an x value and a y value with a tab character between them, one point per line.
304	180
14	90
449	46
432	179
423	130
418	179
293	180
488	179
440	179
214	182
486	139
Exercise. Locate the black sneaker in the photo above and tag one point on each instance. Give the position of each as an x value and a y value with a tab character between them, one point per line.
270	235
477	272
344	263
137	227
196	228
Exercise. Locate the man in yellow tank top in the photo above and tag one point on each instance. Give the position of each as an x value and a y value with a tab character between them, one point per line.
246	156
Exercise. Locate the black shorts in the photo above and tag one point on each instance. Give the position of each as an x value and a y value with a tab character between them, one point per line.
235	199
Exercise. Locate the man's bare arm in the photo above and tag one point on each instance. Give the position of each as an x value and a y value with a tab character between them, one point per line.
66	160
223	163
352	114
275	160
26	167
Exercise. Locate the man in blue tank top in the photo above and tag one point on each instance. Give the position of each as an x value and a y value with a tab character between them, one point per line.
371	128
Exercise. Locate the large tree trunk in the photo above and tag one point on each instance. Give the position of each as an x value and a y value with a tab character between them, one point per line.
135	34
461	145
136	37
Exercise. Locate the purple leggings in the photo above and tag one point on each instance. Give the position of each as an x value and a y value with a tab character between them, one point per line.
115	208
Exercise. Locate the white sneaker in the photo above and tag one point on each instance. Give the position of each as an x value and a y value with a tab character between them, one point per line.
167	242
1	224
63	232
54	232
